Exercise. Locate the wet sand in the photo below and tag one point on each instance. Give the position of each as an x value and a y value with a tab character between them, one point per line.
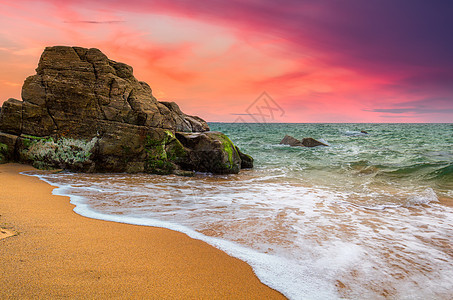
59	254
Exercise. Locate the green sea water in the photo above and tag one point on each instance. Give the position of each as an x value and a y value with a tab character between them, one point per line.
389	156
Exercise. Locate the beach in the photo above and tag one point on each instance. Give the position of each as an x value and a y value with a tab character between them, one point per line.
55	253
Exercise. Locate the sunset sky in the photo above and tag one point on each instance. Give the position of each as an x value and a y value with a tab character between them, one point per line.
320	61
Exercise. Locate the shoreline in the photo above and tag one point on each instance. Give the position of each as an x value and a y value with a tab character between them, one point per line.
59	253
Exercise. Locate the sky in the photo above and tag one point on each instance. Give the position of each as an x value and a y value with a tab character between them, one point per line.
255	60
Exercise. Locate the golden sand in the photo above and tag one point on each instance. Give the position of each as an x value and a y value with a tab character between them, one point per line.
59	254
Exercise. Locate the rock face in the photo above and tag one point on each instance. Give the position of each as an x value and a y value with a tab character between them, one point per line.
306	142
85	112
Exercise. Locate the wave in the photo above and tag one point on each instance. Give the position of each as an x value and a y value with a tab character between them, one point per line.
426	171
434	172
413	169
445	173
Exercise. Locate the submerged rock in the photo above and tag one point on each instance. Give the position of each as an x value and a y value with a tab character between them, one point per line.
306	142
82	111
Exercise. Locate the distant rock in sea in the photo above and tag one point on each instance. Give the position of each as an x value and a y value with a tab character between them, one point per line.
306	142
85	112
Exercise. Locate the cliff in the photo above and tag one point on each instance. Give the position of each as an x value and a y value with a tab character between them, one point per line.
85	112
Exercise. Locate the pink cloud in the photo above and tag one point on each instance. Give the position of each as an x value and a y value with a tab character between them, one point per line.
215	57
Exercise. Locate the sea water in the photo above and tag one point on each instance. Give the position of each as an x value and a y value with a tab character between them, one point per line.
369	216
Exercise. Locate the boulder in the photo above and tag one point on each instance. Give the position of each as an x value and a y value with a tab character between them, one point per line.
306	142
85	112
210	152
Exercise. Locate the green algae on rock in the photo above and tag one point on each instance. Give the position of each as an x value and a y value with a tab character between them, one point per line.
164	154
211	151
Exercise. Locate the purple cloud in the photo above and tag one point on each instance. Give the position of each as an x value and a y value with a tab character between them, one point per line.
423	106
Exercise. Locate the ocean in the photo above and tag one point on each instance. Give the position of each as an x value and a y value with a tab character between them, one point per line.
369	216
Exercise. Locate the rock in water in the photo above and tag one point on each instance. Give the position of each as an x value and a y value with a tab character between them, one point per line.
310	142
306	142
85	112
289	140
211	152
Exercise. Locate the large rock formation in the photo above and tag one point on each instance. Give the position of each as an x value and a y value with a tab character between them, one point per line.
85	112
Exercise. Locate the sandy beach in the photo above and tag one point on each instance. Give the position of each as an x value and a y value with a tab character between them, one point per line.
48	251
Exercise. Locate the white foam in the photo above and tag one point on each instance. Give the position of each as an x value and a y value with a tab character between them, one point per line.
324	141
426	197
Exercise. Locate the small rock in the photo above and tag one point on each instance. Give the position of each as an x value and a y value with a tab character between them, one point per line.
310	142
306	142
291	141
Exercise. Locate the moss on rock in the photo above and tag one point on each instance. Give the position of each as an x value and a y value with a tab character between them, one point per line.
230	149
210	152
163	153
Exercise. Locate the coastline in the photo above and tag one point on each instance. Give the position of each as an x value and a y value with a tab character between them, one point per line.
58	253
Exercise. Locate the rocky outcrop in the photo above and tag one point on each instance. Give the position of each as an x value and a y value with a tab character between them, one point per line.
85	112
306	142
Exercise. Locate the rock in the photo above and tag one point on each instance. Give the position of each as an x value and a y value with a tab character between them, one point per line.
184	122
7	146
306	142
74	84
364	132
210	152
11	117
289	140
310	142
84	112
246	160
